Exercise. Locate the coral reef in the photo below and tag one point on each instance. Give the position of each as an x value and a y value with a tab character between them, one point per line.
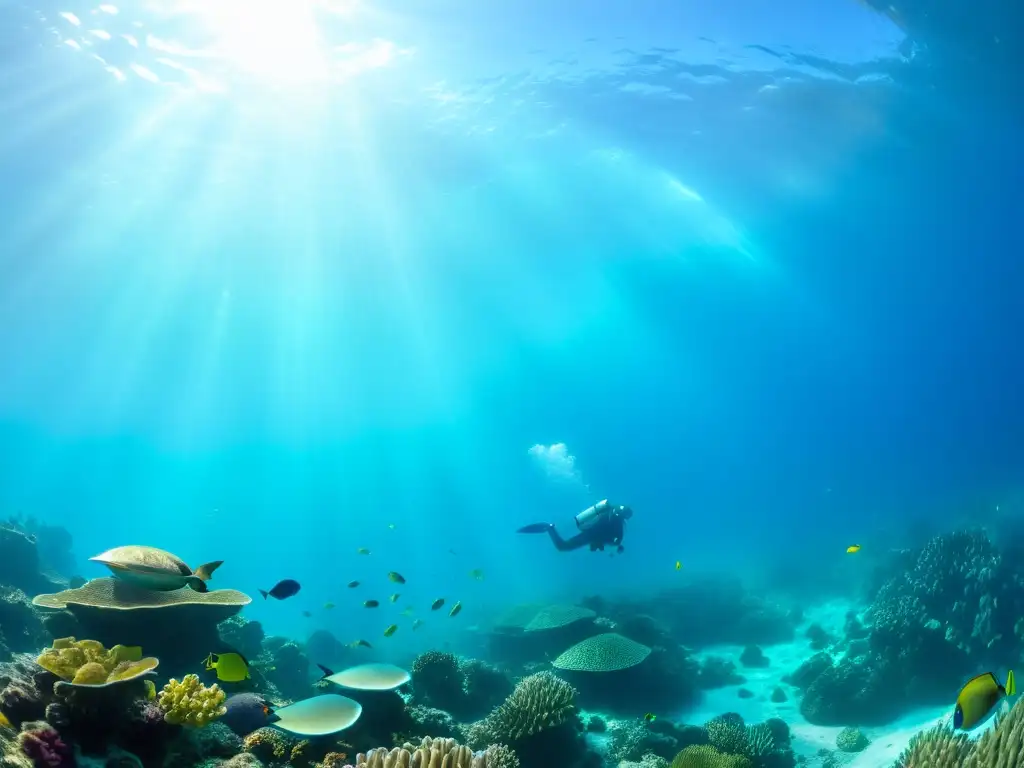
243	635
945	610
851	740
465	688
189	702
704	756
88	663
44	747
287	667
177	626
21	628
20	566
939	747
539	721
616	674
438	752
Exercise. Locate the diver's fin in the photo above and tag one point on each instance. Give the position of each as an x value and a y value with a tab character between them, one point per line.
535	528
1011	684
205	571
327	672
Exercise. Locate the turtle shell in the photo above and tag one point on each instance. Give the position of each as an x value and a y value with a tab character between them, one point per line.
144	560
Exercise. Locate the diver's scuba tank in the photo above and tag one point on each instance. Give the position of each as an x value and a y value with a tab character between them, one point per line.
591	516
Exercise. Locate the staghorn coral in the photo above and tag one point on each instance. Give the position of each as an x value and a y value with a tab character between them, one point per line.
189	702
539	702
438	753
939	747
704	756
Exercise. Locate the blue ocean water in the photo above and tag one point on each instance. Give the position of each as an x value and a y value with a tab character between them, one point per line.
284	280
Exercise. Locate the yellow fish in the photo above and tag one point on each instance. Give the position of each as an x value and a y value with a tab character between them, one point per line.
396	577
417	623
4	722
978	699
362	551
328	606
360	644
394	597
853	549
477	574
679	564
455	609
390	630
650	717
230	667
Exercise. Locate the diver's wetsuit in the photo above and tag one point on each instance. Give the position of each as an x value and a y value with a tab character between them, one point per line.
608	531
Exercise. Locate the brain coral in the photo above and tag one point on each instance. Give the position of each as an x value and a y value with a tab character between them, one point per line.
602	653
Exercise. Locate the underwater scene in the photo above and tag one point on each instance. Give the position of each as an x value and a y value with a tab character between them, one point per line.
563	384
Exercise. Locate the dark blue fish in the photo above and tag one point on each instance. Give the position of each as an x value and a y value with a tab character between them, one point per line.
283	589
247	712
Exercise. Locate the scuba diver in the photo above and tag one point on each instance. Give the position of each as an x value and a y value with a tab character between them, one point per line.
599	525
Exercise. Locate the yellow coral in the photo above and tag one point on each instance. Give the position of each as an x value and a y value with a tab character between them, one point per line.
92	673
87	662
189	702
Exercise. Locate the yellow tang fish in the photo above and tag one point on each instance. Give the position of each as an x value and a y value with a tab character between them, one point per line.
390	630
455	609
231	667
978	699
396	577
679	564
477	574
328	606
362	551
853	549
394	597
650	717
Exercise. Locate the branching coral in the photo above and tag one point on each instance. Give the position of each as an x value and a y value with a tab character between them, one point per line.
539	702
939	747
189	702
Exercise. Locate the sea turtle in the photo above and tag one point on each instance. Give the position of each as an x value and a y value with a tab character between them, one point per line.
155	569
